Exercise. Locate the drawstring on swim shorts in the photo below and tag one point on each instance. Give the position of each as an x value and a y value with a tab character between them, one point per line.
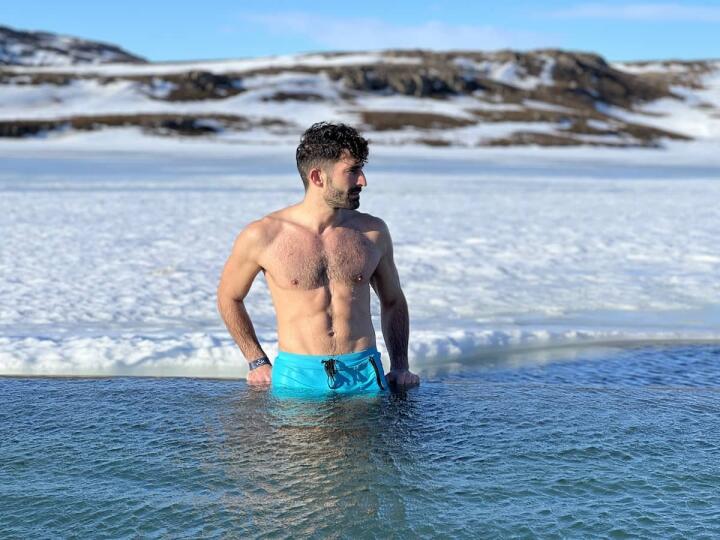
377	373
330	371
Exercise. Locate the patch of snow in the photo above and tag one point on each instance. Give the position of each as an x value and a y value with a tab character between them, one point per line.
228	66
598	124
509	73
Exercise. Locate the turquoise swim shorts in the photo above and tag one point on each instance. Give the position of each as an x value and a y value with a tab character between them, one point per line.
352	373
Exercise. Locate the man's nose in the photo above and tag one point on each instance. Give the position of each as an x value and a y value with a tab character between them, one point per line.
362	181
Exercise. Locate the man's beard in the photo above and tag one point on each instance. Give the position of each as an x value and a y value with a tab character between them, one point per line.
336	198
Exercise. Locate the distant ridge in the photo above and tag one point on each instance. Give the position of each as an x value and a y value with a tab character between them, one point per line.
547	97
24	48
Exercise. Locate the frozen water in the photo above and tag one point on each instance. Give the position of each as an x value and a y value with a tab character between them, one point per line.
111	249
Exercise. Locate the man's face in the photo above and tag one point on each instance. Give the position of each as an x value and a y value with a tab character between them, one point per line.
345	180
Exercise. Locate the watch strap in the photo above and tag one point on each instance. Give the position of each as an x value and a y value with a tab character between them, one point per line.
259	362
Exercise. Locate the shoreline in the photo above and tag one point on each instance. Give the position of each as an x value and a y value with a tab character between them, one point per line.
519	356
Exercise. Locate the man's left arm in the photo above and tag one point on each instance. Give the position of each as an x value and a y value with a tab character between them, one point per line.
394	315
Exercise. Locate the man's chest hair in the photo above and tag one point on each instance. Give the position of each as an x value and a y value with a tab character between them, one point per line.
306	261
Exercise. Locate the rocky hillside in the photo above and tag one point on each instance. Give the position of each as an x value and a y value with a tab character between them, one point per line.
459	98
20	48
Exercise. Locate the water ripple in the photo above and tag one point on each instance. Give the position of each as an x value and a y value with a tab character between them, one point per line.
619	446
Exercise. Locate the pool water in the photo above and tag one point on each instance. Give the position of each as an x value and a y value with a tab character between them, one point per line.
620	443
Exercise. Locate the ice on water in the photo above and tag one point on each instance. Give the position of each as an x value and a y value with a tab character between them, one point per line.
112	245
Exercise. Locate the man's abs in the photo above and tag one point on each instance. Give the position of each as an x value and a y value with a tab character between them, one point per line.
329	320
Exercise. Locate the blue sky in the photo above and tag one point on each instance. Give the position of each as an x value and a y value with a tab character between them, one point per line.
164	30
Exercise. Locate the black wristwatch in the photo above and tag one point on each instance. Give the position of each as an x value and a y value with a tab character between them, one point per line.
259	362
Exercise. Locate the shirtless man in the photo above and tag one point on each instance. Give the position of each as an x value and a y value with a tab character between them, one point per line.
320	257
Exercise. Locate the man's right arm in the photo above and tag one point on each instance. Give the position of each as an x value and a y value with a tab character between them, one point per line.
238	274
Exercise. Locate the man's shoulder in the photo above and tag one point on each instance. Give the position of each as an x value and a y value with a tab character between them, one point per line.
261	232
369	222
374	228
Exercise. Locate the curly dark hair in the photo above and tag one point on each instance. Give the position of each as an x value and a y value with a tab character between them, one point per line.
323	143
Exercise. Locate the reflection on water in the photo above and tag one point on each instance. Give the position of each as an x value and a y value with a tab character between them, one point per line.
618	443
308	465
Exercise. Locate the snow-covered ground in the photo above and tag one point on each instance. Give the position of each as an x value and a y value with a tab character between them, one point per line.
112	245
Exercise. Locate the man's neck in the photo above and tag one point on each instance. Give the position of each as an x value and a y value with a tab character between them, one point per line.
318	216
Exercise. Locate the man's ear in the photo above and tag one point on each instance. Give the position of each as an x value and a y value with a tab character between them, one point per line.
316	177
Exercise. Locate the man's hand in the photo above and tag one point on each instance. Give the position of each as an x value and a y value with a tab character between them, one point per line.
260	376
402	377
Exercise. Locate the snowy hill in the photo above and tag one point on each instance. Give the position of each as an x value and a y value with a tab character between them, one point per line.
46	49
454	98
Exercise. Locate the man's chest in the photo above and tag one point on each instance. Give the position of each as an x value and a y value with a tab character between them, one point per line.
301	260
